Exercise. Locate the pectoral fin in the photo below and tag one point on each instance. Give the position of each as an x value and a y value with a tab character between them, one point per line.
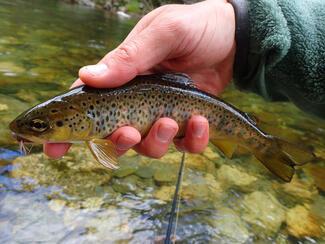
104	151
226	147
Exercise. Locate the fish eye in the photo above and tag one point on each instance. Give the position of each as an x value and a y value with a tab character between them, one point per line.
38	125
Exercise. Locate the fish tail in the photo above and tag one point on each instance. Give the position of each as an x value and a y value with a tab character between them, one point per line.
280	157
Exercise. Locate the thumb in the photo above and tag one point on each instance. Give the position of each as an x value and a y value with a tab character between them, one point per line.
132	57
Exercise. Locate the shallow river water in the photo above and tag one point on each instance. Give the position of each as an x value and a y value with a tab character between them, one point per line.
75	200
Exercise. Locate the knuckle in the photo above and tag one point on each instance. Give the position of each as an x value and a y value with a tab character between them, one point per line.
170	27
127	52
176	26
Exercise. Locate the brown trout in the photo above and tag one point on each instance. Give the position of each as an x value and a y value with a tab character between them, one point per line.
90	114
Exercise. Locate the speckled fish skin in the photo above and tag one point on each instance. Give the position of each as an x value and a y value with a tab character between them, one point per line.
85	113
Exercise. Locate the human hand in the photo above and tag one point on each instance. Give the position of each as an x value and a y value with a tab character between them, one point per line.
196	39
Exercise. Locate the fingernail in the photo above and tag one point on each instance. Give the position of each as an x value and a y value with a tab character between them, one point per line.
124	143
198	129
95	70
165	133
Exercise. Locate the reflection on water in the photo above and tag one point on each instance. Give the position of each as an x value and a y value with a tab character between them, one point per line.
42	45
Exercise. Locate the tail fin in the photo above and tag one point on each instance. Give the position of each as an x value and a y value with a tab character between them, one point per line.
280	157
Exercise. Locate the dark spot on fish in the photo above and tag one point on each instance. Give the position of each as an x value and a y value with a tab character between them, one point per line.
59	123
97	101
91	107
53	111
70	125
84	104
97	113
82	127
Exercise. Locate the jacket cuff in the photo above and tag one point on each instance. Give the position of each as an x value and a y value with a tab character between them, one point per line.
242	35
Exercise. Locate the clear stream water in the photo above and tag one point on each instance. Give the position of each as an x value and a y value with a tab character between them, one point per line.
74	200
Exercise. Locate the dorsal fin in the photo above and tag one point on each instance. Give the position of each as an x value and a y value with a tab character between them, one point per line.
178	79
251	118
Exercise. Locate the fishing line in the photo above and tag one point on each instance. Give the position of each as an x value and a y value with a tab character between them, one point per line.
175	203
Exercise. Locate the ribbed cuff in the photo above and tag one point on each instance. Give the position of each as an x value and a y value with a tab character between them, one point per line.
242	41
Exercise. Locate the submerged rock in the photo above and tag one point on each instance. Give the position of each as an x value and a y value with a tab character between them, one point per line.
165	193
229	226
197	186
263	211
199	162
126	167
164	173
77	173
318	174
126	185
234	176
301	222
297	189
145	172
211	154
57	205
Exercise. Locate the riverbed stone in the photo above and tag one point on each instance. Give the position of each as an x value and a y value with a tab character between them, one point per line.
317	171
125	185
196	186
77	173
92	202
57	205
165	193
145	172
164	173
301	222
197	162
126	168
211	154
234	176
298	189
229	226
263	210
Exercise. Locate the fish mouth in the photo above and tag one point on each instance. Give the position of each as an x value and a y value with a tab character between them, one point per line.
20	138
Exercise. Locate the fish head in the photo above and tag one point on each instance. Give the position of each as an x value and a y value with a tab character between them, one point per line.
52	121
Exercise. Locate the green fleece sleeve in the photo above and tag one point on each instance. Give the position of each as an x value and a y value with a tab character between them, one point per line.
285	56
